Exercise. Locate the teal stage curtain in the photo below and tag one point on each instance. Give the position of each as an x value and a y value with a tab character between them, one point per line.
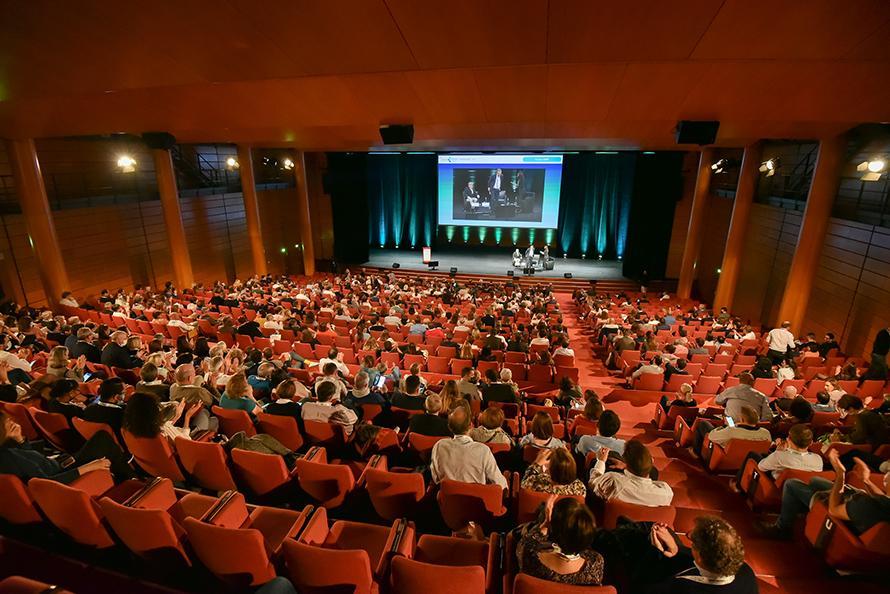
401	200
595	204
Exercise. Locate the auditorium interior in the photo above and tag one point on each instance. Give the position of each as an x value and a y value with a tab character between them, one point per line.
478	297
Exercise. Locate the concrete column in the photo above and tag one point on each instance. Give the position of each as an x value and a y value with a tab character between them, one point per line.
738	227
251	209
820	201
696	221
303	219
179	251
38	218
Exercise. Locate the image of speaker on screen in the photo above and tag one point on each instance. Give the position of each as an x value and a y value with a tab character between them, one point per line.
508	195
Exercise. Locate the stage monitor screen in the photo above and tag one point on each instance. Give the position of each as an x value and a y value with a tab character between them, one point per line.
500	190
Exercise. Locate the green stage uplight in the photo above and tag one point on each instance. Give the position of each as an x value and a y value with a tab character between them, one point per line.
514	235
449	233
531	236
548	236
466	235
483	231
498	232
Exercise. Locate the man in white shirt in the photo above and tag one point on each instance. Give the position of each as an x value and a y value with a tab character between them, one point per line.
335	358
462	459
792	453
68	299
325	410
654	366
745	428
633	485
780	341
330	376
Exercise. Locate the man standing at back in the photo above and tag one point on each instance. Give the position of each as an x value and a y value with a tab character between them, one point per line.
462	459
744	394
780	341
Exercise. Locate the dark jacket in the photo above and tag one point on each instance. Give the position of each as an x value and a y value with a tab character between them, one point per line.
114	355
113	416
26	463
427	424
89	350
497	392
402	400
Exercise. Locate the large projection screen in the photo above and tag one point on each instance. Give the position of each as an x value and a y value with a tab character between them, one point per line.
500	190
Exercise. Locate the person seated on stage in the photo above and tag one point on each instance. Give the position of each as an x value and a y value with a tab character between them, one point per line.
471	197
545	253
517	257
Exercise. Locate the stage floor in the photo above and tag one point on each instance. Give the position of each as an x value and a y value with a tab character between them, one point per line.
470	262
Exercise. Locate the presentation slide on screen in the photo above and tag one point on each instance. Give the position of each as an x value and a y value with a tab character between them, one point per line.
500	190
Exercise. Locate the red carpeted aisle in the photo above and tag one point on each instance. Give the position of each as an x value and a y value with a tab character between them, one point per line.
781	566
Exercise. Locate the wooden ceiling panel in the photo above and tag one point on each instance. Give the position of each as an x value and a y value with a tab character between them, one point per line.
875	47
473	32
512	94
655	90
387	98
590	31
790	29
581	92
448	95
330	36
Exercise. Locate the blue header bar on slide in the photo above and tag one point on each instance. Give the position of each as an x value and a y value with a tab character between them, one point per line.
499	159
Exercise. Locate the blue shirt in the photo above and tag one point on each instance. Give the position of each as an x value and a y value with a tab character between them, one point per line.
593	443
244	404
418	329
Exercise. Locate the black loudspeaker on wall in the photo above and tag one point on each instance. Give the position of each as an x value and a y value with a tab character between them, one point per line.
509	273
395	264
159	140
567	275
397	133
697	132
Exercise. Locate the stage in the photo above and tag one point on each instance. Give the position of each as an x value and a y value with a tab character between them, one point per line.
484	261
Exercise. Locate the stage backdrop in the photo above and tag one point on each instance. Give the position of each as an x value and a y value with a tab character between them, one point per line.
618	205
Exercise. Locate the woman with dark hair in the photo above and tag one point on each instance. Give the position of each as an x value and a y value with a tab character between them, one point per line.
184	351
569	393
202	347
541	434
145	417
20	458
763	368
557	545
554	472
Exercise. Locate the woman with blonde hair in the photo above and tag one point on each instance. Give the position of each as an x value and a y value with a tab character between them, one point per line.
449	394
57	364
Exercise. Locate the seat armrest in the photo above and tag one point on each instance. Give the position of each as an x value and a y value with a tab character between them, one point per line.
95	483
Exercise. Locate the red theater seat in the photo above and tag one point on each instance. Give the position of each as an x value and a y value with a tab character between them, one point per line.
346	554
282	428
462	503
233	421
842	549
328	484
72	511
205	463
614	509
462	552
415	577
729	458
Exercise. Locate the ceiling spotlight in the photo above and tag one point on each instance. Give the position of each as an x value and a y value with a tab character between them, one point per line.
720	166
769	167
288	164
126	163
872	170
232	163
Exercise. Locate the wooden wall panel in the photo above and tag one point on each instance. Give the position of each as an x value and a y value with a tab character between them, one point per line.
717	217
20	264
681	217
320	211
851	292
